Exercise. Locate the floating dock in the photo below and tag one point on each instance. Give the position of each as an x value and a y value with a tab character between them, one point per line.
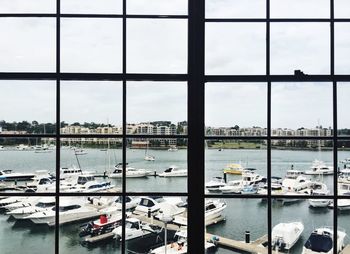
346	250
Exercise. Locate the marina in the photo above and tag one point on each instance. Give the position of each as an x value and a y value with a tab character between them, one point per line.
227	229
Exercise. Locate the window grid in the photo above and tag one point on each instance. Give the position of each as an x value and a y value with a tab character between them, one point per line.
196	81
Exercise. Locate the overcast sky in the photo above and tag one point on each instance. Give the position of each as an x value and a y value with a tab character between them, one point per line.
160	46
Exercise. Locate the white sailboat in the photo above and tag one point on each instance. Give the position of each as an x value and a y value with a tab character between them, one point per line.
148	157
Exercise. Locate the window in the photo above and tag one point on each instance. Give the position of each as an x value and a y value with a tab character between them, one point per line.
145	114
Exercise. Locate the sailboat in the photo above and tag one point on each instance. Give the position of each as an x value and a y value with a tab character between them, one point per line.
80	151
148	157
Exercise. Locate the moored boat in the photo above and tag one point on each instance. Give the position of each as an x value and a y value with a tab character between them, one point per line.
285	235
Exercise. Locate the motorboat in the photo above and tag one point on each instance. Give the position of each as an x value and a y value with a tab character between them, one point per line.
130	202
173	171
179	245
214	208
319	168
42	204
41	184
343	188
234	169
296	185
71	172
10	200
285	235
321	241
149	158
173	149
7	175
250	189
130	172
157	205
134	228
252	178
22	147
293	174
343	204
319	189
345	161
80	152
215	184
232	187
102	226
249	184
28	201
70	210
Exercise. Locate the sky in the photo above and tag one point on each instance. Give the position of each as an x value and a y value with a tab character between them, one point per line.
160	46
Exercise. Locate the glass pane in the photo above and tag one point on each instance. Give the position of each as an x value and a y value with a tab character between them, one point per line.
342	49
300	46
341	9
242	222
21	113
91	45
302	226
28	6
235	166
28	164
343	224
151	43
167	217
87	162
302	167
294	114
234	54
155	165
161	7
91	107
343	168
95	222
249	101
92	6
343	91
300	9
28	44
17	233
146	114
235	9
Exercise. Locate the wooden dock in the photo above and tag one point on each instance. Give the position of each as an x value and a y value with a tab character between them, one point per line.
346	250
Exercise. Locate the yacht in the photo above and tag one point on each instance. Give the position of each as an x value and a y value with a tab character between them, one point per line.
70	210
232	187
173	171
42	204
179	245
319	168
321	241
214	209
10	200
215	184
234	169
130	172
293	174
285	235
319	189
345	161
149	158
134	228
343	188
23	147
156	205
296	185
68	173
7	175
28	201
343	205
173	149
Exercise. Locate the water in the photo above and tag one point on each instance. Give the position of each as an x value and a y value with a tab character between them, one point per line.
241	214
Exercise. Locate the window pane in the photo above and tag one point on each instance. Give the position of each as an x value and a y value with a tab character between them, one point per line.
297	221
161	7
235	9
92	6
231	48
343	90
17	235
91	213
91	107
300	9
28	6
21	113
235	167
86	162
302	109
91	45
300	46
249	101
341	9
28	164
343	168
342	49
245	223
165	106
28	44
302	167
151	43
156	165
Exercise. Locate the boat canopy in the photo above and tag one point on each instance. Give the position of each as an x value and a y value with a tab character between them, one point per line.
319	242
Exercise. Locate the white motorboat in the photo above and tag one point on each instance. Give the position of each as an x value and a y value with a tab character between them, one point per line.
173	171
232	187
43	204
345	161
343	204
130	172
149	158
10	200
134	228
215	184
70	210
173	149
285	235
80	151
293	174
321	241
319	168
296	185
68	173
343	188
319	189
319	203
28	201
23	147
7	175
130	202
179	246
156	205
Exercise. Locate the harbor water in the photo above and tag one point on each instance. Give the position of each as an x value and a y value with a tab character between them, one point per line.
241	215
